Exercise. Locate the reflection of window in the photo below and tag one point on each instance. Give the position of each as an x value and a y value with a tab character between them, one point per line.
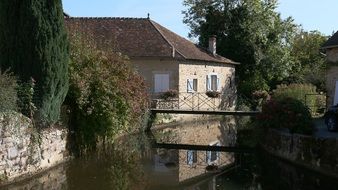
213	83
192	85
212	156
191	157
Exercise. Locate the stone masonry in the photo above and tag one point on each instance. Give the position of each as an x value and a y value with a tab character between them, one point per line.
319	154
24	151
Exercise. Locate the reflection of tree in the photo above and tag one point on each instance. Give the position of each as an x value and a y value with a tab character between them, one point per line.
228	130
112	167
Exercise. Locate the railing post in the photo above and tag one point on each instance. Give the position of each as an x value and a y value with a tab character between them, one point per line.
192	101
198	101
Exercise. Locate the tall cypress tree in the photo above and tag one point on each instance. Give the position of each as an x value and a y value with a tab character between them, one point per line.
34	44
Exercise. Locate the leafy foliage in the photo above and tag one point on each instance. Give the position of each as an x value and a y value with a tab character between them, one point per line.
33	44
296	91
213	94
250	32
8	92
169	94
306	93
309	63
287	113
106	94
26	95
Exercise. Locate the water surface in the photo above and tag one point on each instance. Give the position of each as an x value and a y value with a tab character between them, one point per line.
133	163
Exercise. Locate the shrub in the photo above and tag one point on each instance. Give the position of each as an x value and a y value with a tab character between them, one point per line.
8	91
169	94
259	97
26	103
305	93
287	113
106	95
213	94
34	44
296	91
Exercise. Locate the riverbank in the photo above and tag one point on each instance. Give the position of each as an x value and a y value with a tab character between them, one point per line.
316	153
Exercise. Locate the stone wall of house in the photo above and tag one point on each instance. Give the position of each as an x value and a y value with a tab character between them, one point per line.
24	151
331	74
331	78
148	67
332	55
199	71
318	154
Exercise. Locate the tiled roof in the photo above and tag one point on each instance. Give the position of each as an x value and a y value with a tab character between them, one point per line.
140	37
332	42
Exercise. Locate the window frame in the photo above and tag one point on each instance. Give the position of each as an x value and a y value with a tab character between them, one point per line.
191	157
209	154
209	82
191	84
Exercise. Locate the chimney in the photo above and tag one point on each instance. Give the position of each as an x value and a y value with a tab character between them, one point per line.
212	45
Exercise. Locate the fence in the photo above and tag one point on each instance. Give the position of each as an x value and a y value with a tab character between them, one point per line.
194	101
316	103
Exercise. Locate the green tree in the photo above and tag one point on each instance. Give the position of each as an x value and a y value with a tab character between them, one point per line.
106	95
310	64
33	44
248	31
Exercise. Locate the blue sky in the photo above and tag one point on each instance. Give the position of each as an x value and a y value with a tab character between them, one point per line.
311	14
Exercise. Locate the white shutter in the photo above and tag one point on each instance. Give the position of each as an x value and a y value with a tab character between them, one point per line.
208	83
190	85
161	83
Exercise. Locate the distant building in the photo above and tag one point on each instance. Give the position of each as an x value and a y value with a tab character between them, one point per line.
331	49
166	60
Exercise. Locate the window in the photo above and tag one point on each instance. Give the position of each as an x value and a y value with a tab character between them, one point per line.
195	85
191	157
161	82
212	156
192	85
213	83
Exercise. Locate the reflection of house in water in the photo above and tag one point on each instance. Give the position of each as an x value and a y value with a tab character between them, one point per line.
176	166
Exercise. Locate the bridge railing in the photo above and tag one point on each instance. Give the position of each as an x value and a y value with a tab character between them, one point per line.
194	101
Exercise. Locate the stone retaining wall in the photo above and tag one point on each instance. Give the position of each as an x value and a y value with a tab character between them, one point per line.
24	151
318	154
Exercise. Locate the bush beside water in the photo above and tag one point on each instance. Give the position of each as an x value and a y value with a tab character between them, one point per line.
285	113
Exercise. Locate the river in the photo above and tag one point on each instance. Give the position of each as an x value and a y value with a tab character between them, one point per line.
133	163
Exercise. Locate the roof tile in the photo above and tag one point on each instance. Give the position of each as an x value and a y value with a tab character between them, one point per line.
139	37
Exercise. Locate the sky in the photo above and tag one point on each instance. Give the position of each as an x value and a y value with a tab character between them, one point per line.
311	14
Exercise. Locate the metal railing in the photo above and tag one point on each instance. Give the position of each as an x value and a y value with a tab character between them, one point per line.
194	101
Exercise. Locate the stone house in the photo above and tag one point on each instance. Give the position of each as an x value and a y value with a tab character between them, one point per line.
331	51
166	60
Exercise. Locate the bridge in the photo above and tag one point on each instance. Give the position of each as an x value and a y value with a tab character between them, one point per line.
207	112
195	103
